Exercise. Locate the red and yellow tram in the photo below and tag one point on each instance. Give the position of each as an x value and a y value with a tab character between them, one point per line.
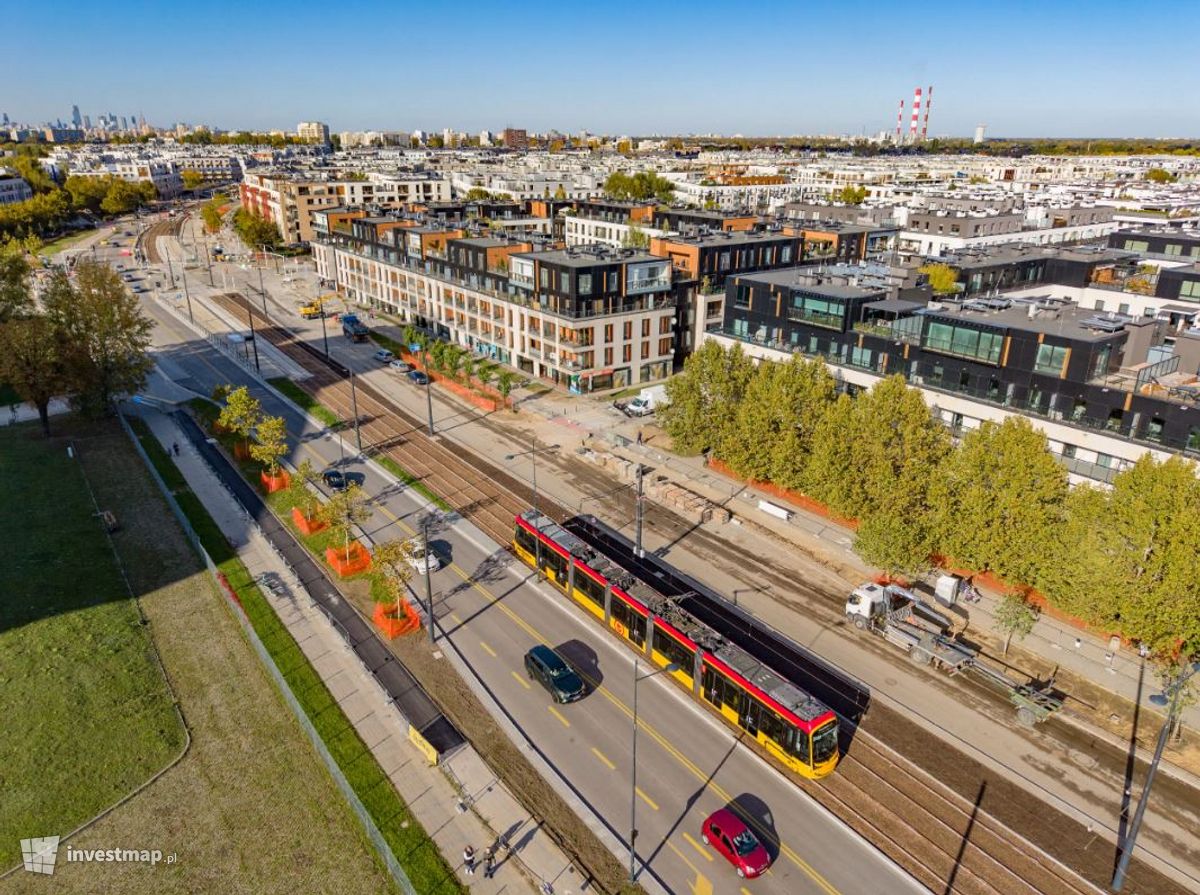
794	728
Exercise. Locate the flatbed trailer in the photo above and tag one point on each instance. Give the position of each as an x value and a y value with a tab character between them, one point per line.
904	620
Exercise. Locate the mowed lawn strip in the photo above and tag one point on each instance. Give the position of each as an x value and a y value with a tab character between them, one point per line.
250	808
87	715
417	853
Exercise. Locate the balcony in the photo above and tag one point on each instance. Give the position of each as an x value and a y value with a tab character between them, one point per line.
640	287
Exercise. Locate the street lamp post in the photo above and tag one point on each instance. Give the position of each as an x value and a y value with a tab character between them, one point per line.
253	341
187	295
641	553
1171	698
354	407
428	585
637	679
532	453
428	384
261	290
324	332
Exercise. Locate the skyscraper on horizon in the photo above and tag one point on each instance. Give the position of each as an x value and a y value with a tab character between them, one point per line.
76	118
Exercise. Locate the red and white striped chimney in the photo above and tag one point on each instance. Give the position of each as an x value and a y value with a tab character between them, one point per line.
916	115
928	106
900	122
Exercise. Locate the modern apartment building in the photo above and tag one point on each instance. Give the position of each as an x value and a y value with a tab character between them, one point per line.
313	132
1104	388
584	319
163	174
290	198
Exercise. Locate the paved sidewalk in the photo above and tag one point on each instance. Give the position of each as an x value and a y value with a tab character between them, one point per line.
459	803
23	413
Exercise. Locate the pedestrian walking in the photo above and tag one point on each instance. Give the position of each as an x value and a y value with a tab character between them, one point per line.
469	860
175	447
489	862
639	438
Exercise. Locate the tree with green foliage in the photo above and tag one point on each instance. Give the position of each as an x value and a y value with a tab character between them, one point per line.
1139	558
241	414
123	197
895	539
1161	175
505	380
807	391
32	362
105	334
638	187
210	213
15	297
705	398
560	194
270	443
851	195
1015	615
256	231
943	279
395	561
30	170
636	238
42	215
303	488
1000	498
343	511
191	178
454	357
889	443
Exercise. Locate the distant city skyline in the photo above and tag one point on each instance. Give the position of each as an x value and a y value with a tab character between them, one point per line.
1054	70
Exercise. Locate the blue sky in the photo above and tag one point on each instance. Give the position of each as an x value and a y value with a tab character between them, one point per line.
1024	69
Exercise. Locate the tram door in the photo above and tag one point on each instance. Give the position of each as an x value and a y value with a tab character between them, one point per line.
748	714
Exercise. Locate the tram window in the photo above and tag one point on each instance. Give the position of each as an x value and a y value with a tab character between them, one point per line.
749	714
589	587
674	651
719	690
552	562
772	725
526	541
634	623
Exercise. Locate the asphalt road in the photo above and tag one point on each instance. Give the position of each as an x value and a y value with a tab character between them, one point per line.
688	764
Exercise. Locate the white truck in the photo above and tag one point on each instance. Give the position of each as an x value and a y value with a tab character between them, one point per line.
903	619
648	400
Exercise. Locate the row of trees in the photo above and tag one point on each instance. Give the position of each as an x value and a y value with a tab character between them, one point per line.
266	439
110	194
639	187
255	230
210	212
998	501
457	363
86	337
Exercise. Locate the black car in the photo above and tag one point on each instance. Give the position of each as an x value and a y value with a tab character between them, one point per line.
334	480
548	668
418	378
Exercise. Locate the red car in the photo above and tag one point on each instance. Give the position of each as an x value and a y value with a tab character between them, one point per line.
737	844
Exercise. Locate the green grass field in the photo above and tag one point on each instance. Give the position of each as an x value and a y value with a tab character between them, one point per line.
250	807
303	399
87	713
64	242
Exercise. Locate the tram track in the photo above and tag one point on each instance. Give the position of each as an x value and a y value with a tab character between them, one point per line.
929	828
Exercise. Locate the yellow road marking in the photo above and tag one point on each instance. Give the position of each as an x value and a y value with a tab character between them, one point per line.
491	652
653	733
520	680
744	891
645	798
707	853
702	885
604	758
454	618
559	715
696	870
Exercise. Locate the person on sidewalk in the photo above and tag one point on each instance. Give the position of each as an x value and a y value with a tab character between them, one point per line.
489	862
469	860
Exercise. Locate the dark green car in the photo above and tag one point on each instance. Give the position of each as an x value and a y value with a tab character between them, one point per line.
548	668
